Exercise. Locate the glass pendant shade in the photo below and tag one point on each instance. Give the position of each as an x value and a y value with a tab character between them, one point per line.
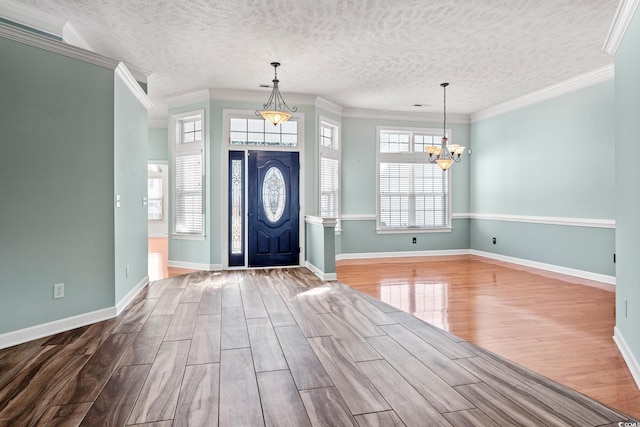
275	117
444	163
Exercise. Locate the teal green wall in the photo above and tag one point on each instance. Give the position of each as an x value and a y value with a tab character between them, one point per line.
582	248
627	108
56	186
158	144
315	245
130	177
552	159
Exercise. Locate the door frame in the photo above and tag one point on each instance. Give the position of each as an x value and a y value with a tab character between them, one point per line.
227	114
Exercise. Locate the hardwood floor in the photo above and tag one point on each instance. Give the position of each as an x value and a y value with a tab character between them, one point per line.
556	325
274	347
158	256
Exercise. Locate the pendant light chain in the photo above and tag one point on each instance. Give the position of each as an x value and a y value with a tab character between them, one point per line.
444	128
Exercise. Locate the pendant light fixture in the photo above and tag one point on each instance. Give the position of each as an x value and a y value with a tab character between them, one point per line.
274	109
446	154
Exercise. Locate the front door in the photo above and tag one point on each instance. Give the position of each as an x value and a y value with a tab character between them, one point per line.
273	208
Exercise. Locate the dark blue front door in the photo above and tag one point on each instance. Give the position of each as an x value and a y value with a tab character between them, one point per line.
273	208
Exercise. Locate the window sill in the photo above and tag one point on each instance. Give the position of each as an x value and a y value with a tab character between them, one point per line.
180	236
413	230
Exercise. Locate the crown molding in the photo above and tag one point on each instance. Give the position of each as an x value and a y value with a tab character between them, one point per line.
139	73
157	123
71	35
31	17
621	20
257	96
123	72
328	106
357	113
579	82
188	98
48	44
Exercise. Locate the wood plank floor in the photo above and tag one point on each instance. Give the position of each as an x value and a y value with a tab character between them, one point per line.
556	325
311	353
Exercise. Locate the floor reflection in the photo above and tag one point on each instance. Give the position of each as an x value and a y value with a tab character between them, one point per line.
425	300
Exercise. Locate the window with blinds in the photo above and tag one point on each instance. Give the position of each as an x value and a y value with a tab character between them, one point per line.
412	193
329	170
188	174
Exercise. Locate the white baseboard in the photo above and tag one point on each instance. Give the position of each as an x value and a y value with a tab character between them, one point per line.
627	355
34	332
548	267
194	265
124	302
326	277
366	255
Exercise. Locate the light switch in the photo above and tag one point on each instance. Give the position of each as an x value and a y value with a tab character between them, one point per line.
144	201
117	200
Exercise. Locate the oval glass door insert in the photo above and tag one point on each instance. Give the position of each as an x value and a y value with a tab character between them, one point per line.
274	194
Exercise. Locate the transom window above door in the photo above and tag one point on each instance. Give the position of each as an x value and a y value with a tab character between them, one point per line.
259	132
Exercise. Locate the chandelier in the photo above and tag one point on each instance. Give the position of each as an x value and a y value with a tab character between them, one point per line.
446	154
274	109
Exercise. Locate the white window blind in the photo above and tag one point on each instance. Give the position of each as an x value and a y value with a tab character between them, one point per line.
188	174
329	188
189	207
412	193
329	170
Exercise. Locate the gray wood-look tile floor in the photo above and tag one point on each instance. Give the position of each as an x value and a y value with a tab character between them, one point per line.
274	348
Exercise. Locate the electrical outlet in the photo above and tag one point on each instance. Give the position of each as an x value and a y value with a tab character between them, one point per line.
494	240
415	240
126	271
58	290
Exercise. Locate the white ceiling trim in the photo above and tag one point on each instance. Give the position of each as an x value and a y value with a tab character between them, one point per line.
259	97
139	73
621	20
123	72
578	82
403	115
30	17
46	43
72	36
157	123
328	106
188	98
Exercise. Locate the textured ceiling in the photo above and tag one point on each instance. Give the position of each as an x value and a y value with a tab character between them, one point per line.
371	54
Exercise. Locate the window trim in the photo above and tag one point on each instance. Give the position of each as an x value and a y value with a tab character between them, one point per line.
156	175
177	148
409	157
334	154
